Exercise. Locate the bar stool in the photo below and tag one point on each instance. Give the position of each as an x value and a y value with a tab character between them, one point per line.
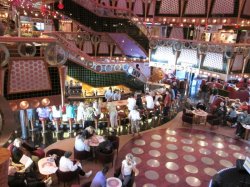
152	112
43	121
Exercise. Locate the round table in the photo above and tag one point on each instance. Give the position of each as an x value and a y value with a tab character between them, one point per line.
200	114
47	166
99	139
114	182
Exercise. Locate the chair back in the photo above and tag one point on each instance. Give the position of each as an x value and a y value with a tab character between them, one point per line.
115	140
105	158
81	155
187	119
67	176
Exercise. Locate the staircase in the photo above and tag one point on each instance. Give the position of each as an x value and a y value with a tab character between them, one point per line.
104	24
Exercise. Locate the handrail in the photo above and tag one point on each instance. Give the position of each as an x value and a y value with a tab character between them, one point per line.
78	54
4	39
199	42
115	13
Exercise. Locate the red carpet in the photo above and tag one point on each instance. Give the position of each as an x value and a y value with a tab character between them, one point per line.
181	157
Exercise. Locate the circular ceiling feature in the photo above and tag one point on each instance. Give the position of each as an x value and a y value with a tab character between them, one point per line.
137	160
200	136
239	156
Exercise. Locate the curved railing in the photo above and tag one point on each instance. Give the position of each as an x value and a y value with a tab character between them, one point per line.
105	66
111	11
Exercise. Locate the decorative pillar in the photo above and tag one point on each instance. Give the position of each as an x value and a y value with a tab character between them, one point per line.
4	166
62	75
22	115
244	66
228	68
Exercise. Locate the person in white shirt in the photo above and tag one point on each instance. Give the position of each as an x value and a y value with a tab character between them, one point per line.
109	94
81	143
57	116
65	165
117	95
80	112
131	102
113	115
135	118
128	165
150	102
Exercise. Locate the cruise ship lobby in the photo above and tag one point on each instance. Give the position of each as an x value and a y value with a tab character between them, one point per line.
132	93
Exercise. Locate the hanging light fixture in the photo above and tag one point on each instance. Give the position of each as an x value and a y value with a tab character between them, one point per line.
60	5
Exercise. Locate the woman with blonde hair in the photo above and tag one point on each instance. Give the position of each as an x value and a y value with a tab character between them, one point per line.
128	166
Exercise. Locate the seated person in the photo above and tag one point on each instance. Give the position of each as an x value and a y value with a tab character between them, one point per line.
106	146
188	104
237	104
149	102
221	112
244	106
100	179
16	178
81	143
243	118
89	132
232	117
65	165
139	102
201	106
18	151
128	166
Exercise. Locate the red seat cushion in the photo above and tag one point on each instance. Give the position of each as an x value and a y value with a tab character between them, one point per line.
39	152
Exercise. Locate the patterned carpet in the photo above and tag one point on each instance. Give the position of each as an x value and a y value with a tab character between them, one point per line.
181	157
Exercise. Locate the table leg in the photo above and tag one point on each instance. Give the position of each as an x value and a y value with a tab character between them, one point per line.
246	134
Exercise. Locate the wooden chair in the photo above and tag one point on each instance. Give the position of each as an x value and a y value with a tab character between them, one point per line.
81	155
115	140
187	119
105	158
67	176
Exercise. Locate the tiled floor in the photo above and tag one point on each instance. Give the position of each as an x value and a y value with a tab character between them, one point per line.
175	155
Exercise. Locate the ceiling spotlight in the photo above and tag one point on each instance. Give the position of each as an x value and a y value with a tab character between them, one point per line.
171	25
173	20
214	21
203	21
184	20
193	20
224	21
164	19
